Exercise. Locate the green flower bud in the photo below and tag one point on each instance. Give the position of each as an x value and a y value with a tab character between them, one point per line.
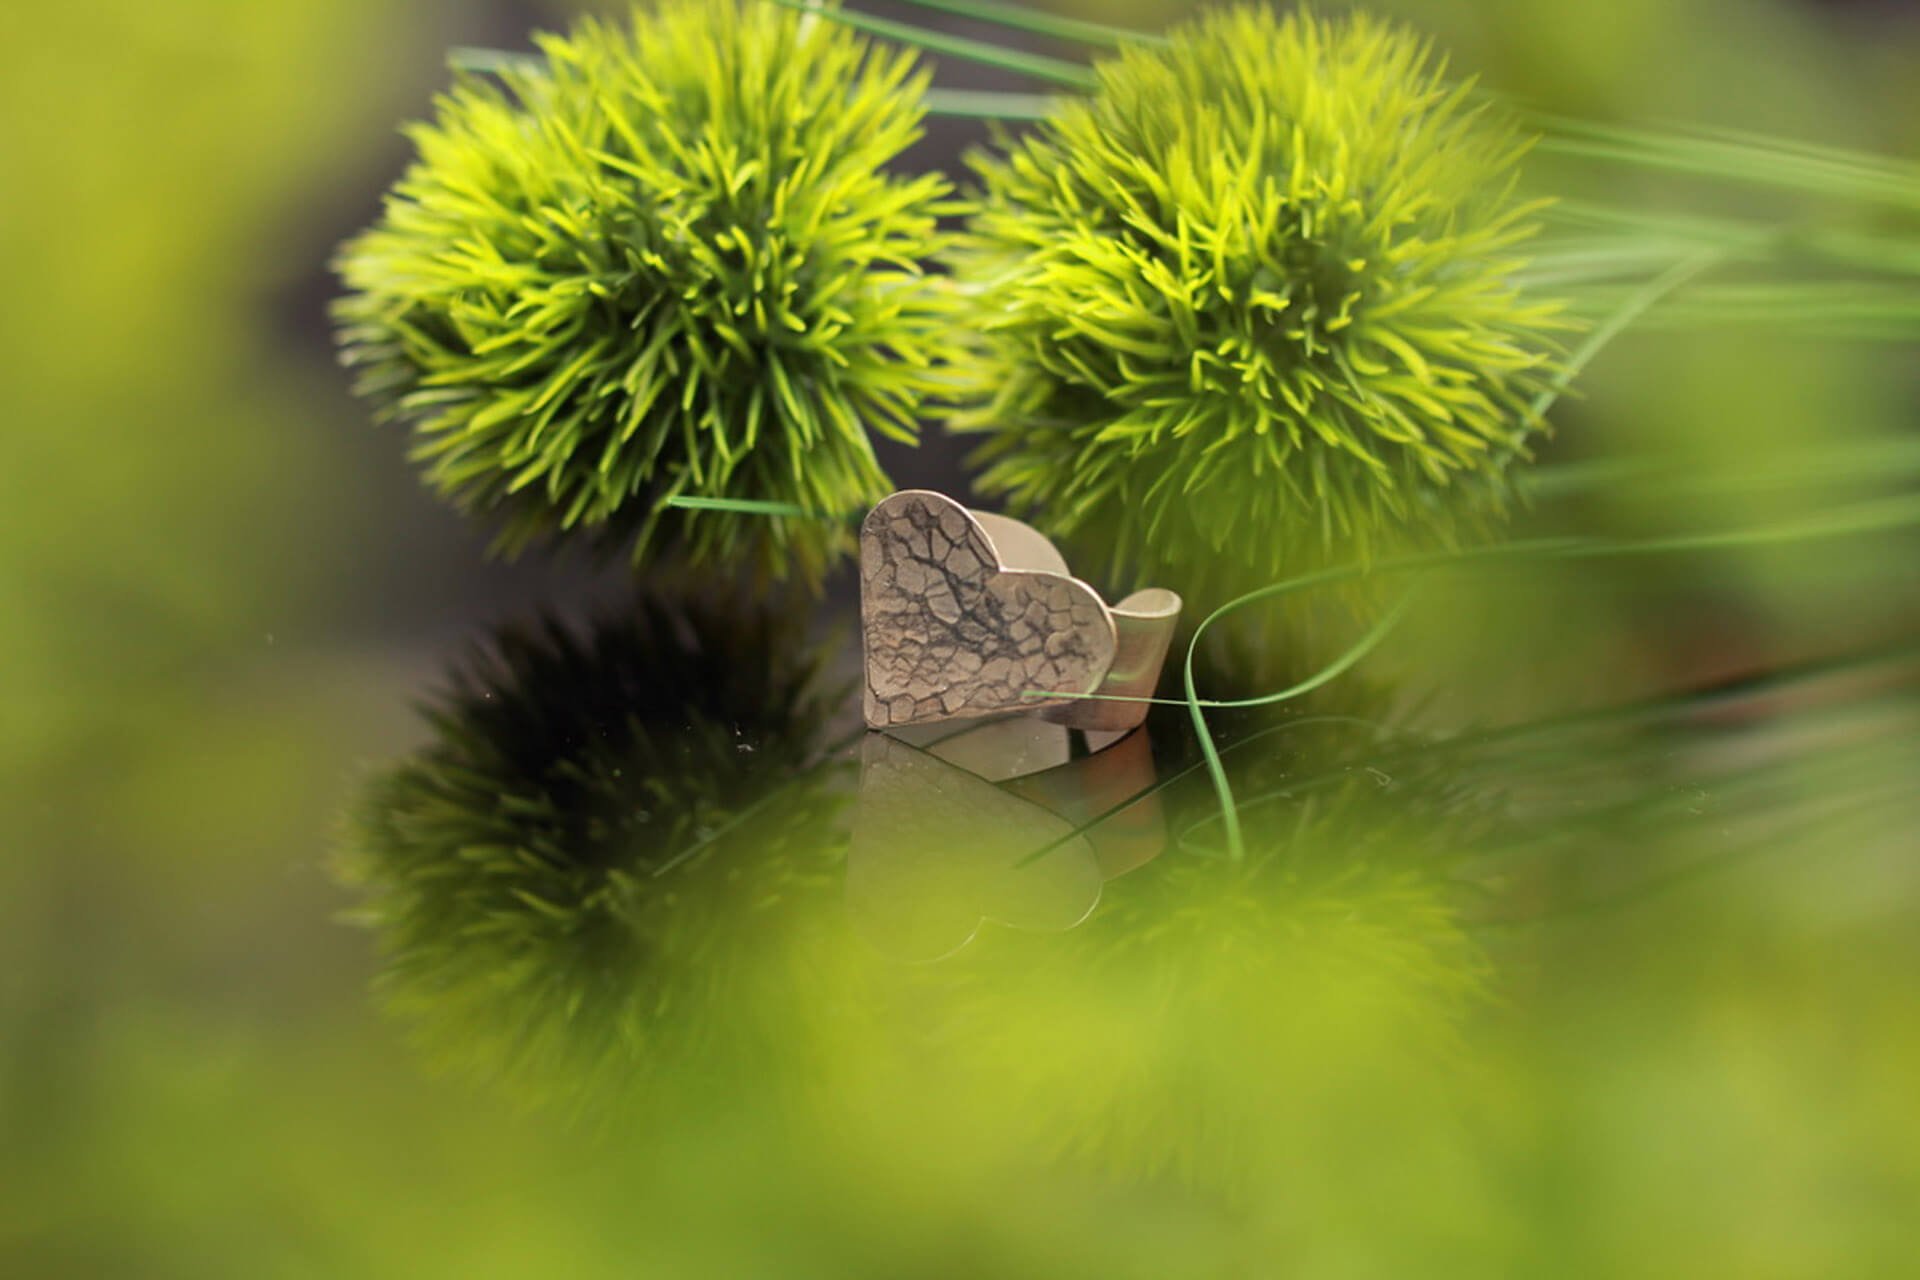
1250	307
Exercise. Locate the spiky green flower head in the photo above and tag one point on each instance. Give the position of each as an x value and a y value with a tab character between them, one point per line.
1251	303
592	867
660	260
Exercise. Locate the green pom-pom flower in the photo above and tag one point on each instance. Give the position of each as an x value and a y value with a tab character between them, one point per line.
1250	304
660	261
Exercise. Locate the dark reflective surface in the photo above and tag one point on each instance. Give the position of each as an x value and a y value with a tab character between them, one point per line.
654	868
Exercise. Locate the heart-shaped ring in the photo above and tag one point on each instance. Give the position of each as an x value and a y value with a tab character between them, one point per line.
970	614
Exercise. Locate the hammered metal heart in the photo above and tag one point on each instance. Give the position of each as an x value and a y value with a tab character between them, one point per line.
951	631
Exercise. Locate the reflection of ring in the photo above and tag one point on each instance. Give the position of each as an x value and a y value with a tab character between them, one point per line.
996	822
970	614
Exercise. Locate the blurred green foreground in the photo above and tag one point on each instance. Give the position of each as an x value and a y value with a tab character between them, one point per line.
1534	967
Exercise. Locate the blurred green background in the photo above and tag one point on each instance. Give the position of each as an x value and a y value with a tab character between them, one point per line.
220	590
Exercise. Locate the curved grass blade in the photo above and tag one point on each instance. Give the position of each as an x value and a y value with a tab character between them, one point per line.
1529	740
1901	511
1365	645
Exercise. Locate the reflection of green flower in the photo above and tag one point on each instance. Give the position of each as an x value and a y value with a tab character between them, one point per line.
1213	1019
600	842
660	262
1250	304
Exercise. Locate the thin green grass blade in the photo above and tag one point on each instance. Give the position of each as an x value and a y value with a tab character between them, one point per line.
1521	740
1790	166
1865	161
1536	745
1648	231
1568	264
747	507
1033	65
1533	750
1850	310
489	62
1724	233
1021	18
1630	310
1879	516
985	104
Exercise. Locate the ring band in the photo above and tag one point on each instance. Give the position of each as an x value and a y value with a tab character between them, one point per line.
964	613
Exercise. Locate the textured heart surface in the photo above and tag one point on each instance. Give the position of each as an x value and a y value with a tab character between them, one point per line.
951	631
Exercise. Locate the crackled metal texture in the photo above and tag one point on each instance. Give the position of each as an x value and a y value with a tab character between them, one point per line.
951	632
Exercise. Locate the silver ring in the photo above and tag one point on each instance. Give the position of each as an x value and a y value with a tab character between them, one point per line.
964	614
